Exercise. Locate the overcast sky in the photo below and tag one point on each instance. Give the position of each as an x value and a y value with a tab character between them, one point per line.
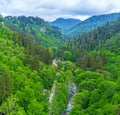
52	9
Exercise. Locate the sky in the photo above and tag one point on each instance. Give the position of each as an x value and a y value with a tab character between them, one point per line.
50	10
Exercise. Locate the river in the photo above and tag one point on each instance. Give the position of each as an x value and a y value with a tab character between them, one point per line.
72	89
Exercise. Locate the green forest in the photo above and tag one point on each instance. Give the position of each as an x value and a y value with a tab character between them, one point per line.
83	80
41	31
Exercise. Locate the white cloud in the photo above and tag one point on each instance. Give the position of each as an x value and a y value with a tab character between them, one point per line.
51	9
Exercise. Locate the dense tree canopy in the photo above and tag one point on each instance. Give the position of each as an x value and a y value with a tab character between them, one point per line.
40	30
29	84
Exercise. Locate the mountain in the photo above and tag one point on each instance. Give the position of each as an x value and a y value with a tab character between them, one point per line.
65	24
41	31
92	23
87	82
18	79
97	52
27	76
81	45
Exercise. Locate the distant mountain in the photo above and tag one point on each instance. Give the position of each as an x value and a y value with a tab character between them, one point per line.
41	31
65	24
91	23
82	47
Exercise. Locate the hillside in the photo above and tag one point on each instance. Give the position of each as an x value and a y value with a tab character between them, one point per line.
18	78
65	24
40	30
81	45
92	23
98	53
84	78
26	76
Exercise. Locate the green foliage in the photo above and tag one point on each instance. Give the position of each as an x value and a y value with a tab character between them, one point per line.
1	18
5	86
60	99
96	95
40	30
68	55
54	51
98	92
21	86
27	78
47	75
87	49
92	23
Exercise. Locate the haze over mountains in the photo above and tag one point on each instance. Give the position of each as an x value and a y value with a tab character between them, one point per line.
65	24
80	27
69	27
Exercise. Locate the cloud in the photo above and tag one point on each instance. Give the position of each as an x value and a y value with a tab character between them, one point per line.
51	9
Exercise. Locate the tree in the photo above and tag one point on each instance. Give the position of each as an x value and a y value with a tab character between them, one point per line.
1	18
36	108
82	99
68	56
5	86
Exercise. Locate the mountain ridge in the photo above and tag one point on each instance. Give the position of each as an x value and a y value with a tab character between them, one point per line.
41	31
80	27
92	23
91	65
65	24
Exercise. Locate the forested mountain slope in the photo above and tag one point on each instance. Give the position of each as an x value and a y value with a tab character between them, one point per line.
41	31
99	93
98	53
92	23
78	49
26	76
18	77
91	61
